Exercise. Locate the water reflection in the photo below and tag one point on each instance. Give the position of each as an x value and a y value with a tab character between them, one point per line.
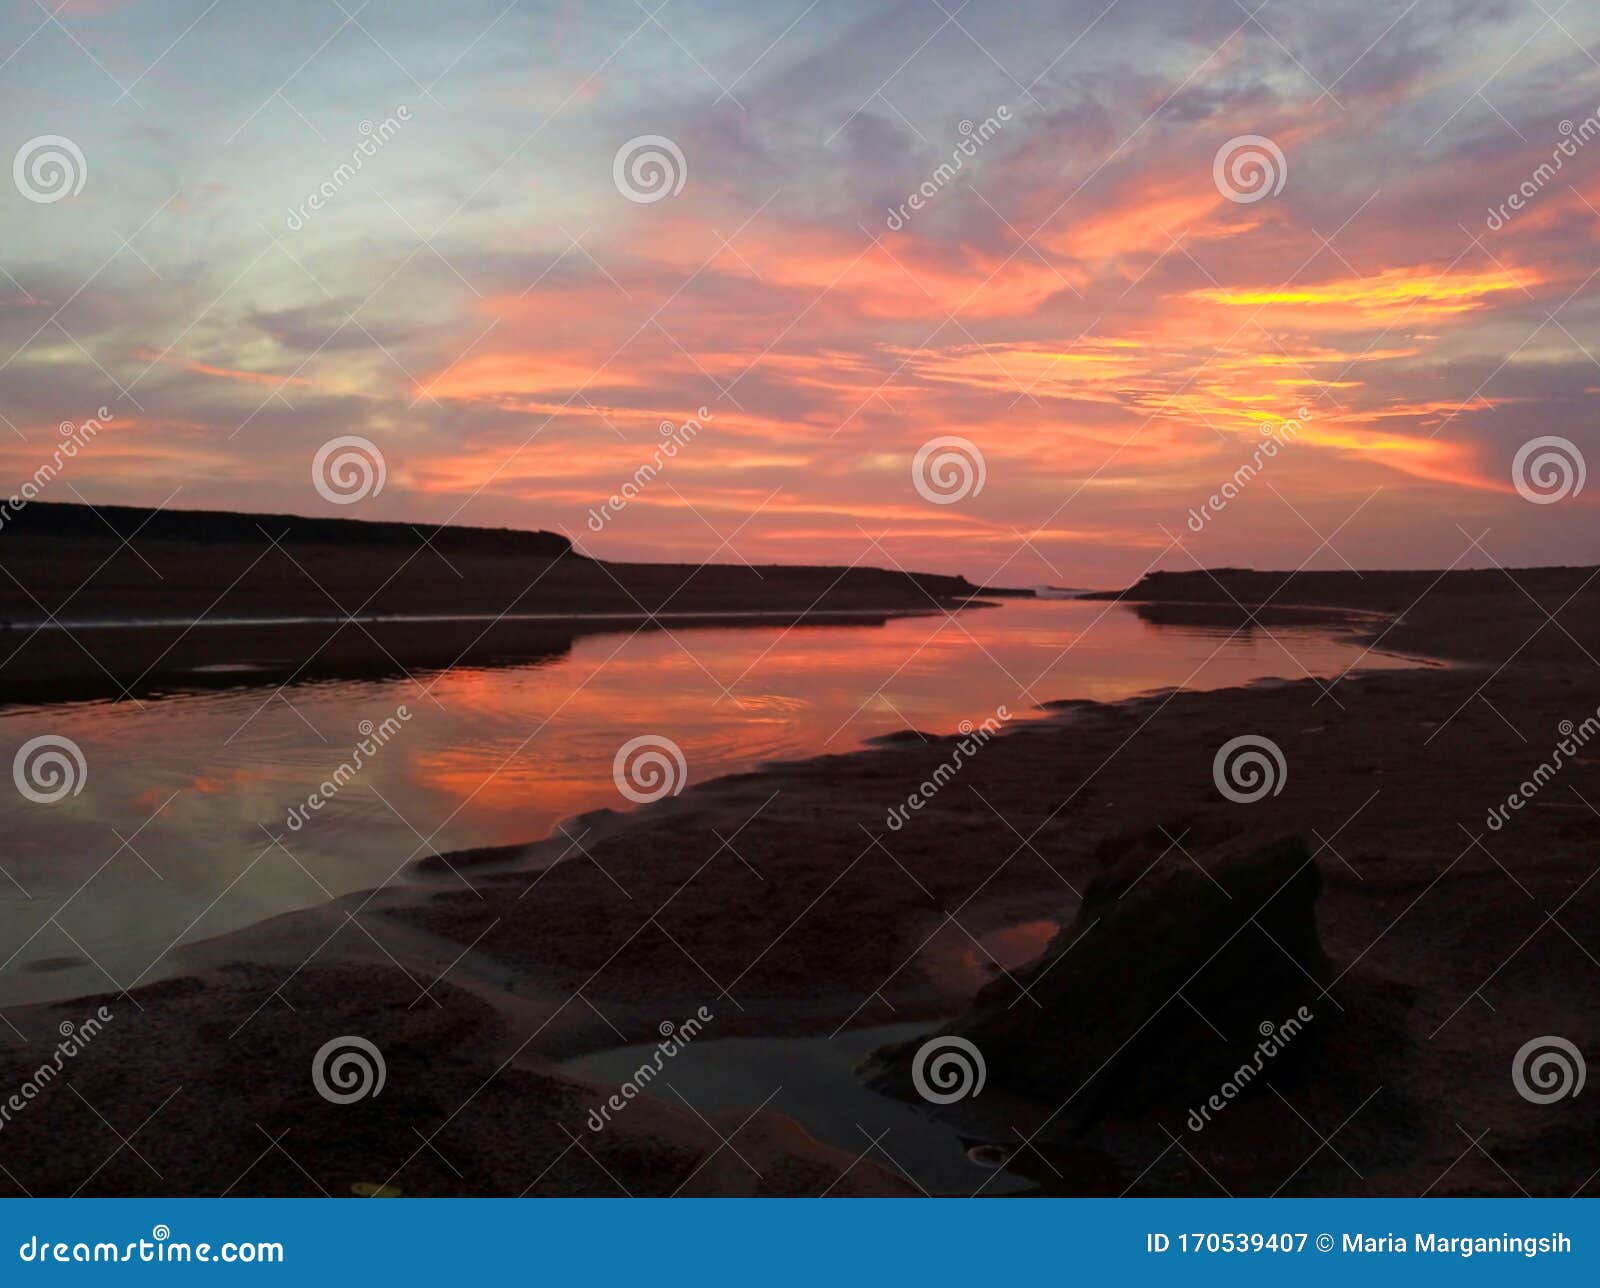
171	838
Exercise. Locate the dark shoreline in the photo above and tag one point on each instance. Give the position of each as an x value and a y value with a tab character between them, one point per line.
130	662
364	588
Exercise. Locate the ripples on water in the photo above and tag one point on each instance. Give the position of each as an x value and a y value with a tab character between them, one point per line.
169	840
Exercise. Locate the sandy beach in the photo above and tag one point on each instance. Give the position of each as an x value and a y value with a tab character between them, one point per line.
783	903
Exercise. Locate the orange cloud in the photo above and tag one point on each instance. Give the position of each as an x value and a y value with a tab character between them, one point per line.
1381	298
226	373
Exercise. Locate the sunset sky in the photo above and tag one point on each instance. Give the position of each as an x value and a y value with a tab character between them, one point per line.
1082	302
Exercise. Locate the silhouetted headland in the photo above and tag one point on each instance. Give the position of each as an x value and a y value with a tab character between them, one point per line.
154	599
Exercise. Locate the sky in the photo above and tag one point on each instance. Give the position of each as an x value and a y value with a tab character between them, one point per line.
1102	255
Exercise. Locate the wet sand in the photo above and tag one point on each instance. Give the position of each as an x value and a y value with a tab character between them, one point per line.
782	902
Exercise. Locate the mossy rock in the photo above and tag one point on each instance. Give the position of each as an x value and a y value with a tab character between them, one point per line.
1165	983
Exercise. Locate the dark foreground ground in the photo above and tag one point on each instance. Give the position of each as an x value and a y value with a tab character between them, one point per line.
1427	947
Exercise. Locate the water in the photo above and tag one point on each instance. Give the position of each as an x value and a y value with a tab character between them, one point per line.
813	1080
171	838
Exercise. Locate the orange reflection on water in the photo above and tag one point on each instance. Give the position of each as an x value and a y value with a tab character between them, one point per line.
495	756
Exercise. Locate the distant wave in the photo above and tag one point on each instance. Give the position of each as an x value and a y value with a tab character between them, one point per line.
1061	592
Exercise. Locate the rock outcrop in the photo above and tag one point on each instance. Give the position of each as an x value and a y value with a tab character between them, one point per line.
1165	986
